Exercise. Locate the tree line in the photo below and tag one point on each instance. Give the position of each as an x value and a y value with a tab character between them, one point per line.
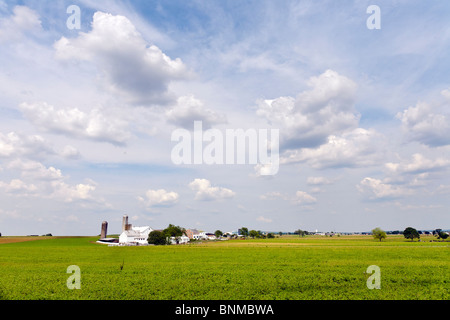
162	237
409	233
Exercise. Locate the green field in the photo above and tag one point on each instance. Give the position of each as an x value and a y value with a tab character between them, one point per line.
281	268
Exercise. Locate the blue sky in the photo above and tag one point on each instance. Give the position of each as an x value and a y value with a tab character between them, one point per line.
87	115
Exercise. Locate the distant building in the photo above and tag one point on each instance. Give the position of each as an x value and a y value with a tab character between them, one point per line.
135	235
196	234
191	232
109	241
210	236
179	240
228	234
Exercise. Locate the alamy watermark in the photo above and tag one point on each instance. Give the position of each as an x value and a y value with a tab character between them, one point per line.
74	20
74	281
234	146
374	281
374	20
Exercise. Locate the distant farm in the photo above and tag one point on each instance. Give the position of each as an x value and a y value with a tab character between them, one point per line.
286	267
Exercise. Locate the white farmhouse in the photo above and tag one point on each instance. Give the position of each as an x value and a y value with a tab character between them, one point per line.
135	235
180	240
196	234
200	236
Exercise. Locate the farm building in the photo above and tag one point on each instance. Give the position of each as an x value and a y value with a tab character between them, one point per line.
210	236
109	241
180	240
139	235
136	235
196	234
133	235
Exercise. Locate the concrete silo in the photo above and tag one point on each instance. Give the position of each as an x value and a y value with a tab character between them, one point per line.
124	223
104	231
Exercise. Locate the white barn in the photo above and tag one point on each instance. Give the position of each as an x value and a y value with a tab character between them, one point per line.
136	235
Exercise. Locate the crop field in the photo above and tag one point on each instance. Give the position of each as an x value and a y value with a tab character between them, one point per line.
286	268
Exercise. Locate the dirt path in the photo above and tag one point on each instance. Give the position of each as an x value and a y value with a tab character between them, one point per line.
21	239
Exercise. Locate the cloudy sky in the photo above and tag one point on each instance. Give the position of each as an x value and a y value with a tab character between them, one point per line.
88	112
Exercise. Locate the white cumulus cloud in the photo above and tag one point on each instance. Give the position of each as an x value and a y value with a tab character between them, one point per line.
18	187
377	189
189	109
159	197
309	119
70	152
16	144
35	170
303	198
46	182
205	192
132	68
357	148
23	20
425	124
418	164
69	193
74	122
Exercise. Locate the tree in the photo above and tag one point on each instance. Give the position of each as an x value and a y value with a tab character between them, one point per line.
244	231
300	232
174	231
378	234
157	238
442	235
270	235
436	232
411	233
253	234
218	233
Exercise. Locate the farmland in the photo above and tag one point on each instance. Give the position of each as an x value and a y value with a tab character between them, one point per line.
286	268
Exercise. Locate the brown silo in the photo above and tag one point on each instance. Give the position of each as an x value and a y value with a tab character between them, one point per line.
124	222
104	230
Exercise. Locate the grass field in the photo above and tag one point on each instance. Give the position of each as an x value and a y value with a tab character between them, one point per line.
281	268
